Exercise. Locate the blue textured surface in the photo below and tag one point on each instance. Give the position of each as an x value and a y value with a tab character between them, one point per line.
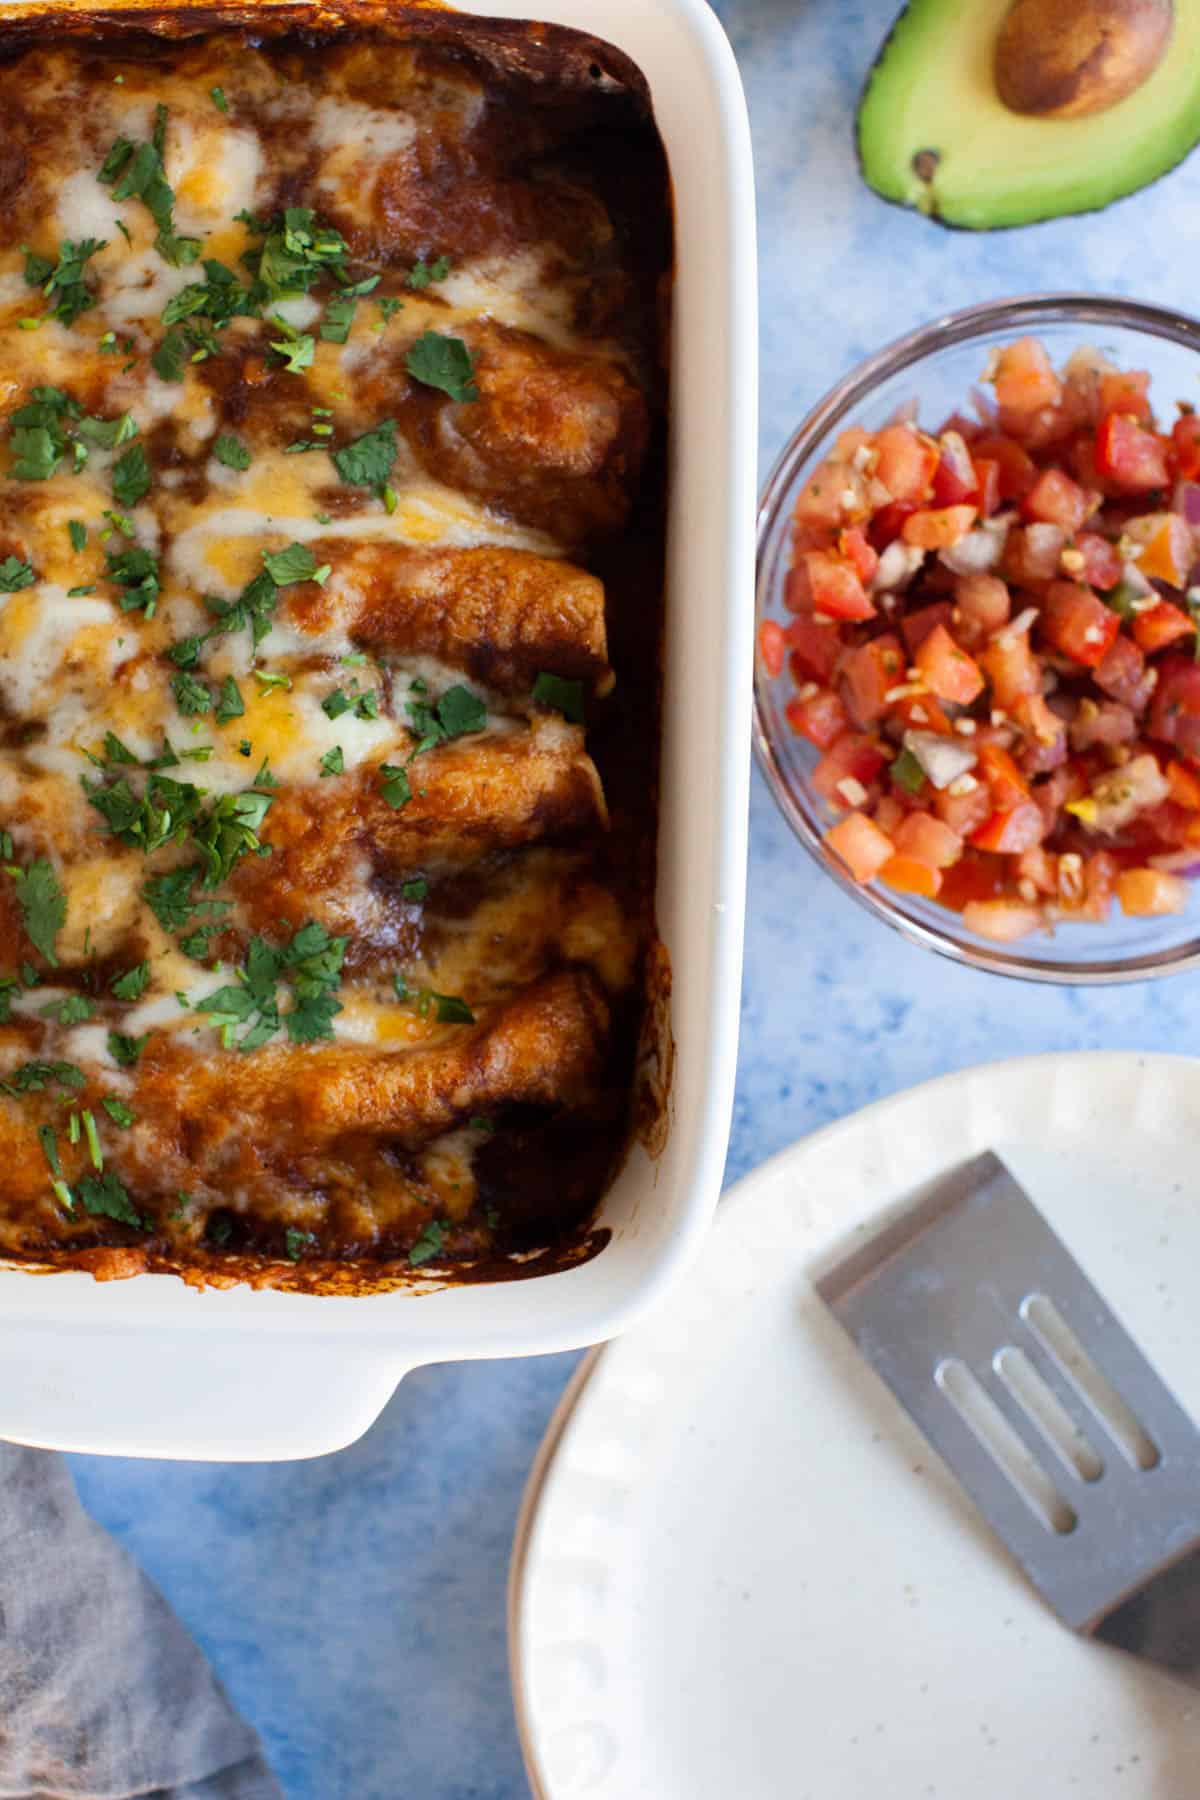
355	1605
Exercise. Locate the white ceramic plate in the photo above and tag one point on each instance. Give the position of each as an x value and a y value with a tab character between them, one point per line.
741	1575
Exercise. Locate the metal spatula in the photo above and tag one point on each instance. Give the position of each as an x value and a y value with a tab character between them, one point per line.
995	1342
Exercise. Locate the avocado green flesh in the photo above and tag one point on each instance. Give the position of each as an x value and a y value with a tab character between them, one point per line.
933	133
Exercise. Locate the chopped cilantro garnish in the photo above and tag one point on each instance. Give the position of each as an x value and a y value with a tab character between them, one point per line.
231	451
273	678
458	712
15	575
104	1196
64	278
169	359
368	460
230	704
135	570
297	1242
33	1077
191	696
296	253
415	889
36	452
429	1245
72	1009
43	906
423	273
395	786
310	965
126	1050
336	703
297	348
445	363
218	99
138	173
562	695
133	984
389	305
333	762
77	532
286	567
131	476
107	434
118	1112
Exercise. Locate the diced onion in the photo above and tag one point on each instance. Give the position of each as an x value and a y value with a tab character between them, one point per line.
1177	862
944	759
979	551
897	566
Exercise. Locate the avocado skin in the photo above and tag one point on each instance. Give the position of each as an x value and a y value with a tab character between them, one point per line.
1049	168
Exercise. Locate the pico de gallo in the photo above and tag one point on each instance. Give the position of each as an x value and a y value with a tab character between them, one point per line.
993	641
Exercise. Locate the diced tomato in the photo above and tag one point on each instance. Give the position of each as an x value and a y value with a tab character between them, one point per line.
1024	377
1102	566
1167	547
931	529
853	438
868	673
1011	668
889	812
1039	866
916	626
1146	893
916	712
1126	391
947	669
1080	456
1011	833
1108	723
1045	745
821	718
1001	920
1006	784
1057	500
954	479
1175	709
1016	470
1185	441
885	527
797	589
861	845
1078	624
858	553
1184	786
984	603
929	840
1032	554
1123	674
820	501
1162	625
964	813
907	461
1132	458
772	646
1099	877
908	875
837	592
851	758
815	650
987	485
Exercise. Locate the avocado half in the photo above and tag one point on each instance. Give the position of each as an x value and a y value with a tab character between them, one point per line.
934	134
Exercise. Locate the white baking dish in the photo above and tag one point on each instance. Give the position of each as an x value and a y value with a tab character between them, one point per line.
150	1367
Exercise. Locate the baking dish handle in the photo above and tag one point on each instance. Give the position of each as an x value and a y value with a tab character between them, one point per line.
176	1394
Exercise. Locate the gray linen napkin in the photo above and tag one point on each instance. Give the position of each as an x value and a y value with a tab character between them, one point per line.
103	1695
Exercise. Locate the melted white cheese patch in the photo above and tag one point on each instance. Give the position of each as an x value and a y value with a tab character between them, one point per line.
366	132
45	635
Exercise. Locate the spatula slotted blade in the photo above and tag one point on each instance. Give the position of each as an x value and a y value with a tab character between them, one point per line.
994	1341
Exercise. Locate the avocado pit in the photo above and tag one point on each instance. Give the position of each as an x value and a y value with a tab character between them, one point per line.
1055	60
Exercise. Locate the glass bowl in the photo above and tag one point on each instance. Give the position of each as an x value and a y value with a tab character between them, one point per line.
936	367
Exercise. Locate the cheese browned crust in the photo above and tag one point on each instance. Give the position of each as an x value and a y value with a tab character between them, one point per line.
344	805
